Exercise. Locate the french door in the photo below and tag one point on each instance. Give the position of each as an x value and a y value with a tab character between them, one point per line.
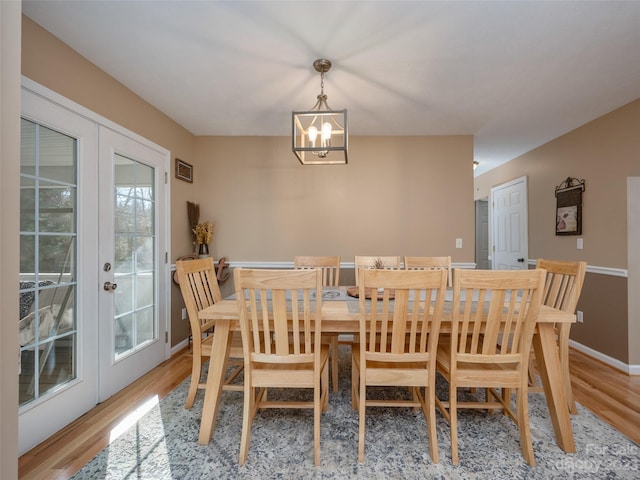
93	215
132	259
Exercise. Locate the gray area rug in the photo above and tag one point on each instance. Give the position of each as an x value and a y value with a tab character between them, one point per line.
163	444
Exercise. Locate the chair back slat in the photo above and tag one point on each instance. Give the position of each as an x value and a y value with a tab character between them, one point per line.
199	287
496	312
330	266
370	262
404	313
278	315
430	263
563	283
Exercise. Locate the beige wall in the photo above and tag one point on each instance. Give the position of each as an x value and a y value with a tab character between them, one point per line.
397	196
9	250
604	153
50	62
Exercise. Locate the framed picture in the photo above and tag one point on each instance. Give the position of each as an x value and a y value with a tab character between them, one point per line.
184	171
569	207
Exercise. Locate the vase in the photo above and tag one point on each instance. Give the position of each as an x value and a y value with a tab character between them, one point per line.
203	250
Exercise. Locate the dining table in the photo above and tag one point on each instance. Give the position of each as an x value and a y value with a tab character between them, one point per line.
341	315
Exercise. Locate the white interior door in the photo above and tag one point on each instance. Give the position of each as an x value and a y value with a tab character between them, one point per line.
133	287
509	222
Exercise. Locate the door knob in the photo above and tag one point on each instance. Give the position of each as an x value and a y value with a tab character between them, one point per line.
521	260
108	286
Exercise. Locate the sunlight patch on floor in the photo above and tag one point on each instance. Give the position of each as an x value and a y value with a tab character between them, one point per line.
133	417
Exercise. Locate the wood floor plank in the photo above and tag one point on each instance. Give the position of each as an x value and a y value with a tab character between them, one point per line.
610	394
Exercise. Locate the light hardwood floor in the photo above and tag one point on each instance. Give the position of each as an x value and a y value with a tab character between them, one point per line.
607	392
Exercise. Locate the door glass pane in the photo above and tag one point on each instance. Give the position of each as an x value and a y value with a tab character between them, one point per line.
48	232
134	226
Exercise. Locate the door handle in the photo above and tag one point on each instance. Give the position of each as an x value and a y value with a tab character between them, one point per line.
108	286
521	260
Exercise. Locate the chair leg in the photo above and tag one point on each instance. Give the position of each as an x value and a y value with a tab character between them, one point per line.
361	419
355	379
195	380
334	362
430	403
317	412
324	388
453	422
563	347
524	427
247	418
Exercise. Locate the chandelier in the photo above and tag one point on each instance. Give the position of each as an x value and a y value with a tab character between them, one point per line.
320	134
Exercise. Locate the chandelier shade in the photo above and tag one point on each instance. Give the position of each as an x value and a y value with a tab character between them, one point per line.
319	136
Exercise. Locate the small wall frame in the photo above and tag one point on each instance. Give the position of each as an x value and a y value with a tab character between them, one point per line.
569	207
184	171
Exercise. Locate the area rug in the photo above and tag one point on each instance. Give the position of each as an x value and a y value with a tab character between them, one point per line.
163	444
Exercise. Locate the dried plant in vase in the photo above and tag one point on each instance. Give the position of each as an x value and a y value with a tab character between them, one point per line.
378	264
204	234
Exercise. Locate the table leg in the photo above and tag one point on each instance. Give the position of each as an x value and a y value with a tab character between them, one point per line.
215	379
546	349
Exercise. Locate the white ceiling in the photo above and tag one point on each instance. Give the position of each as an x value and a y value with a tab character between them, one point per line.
515	74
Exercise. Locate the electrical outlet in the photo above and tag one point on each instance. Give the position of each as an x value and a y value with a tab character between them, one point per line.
184	313
458	243
579	244
579	316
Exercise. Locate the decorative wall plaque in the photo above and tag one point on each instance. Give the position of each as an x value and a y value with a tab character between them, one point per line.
569	207
184	171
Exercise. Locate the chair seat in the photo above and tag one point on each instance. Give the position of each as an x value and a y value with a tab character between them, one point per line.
236	351
478	374
403	374
285	375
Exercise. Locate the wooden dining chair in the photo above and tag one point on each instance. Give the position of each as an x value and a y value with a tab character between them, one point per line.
279	321
493	319
431	263
199	287
387	262
562	288
399	330
330	266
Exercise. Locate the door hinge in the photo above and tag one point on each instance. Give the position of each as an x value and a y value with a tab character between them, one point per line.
166	257
166	337
166	177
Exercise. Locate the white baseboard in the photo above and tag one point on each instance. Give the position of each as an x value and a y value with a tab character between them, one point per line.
179	346
617	364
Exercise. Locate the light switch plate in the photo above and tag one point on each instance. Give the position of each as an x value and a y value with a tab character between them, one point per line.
579	244
458	243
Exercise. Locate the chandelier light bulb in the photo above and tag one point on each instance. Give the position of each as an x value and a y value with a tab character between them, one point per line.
326	133
313	133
